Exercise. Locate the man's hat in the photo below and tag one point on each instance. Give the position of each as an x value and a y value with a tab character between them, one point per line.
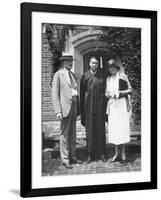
67	57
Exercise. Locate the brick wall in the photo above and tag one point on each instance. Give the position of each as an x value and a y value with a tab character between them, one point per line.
47	71
47	107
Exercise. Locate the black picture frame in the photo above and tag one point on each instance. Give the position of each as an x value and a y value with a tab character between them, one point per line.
26	99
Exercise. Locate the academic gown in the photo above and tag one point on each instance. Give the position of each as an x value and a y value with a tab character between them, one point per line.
92	109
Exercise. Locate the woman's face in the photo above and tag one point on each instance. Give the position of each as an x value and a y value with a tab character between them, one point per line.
113	70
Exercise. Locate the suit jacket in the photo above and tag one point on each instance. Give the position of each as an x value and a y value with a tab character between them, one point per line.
62	92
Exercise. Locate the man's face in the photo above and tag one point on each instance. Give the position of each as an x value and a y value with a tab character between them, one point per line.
68	64
93	64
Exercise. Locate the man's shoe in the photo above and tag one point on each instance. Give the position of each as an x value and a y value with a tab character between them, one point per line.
124	161
75	161
68	165
103	158
89	159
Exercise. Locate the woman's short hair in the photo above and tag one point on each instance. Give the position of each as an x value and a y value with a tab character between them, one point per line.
113	63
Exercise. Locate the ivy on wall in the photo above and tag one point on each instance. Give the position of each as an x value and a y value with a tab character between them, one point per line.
56	35
126	44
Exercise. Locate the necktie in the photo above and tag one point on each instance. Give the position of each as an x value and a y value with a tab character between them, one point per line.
73	84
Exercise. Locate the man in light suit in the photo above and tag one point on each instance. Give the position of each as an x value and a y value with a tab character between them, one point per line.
65	102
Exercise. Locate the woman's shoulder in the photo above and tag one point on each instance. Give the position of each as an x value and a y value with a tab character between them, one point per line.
123	76
108	78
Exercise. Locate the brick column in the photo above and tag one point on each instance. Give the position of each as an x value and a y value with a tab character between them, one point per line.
47	107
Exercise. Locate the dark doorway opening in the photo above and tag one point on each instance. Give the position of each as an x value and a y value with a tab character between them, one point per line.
102	56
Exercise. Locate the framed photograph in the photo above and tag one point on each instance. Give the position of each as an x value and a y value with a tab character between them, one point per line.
88	99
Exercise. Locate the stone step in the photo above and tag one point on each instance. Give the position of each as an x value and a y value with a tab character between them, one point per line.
51	130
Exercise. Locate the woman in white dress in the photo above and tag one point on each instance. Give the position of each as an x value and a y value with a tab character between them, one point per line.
118	90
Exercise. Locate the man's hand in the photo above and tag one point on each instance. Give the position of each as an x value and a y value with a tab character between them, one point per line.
59	116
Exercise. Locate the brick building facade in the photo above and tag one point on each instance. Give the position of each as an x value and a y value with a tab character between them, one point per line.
81	42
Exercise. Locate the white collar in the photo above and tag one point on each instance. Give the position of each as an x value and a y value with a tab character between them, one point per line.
93	72
66	70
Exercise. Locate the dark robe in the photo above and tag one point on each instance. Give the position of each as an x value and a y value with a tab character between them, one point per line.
92	109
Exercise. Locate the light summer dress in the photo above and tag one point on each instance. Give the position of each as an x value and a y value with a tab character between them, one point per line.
118	114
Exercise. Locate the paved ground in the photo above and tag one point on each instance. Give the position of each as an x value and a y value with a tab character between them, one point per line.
51	164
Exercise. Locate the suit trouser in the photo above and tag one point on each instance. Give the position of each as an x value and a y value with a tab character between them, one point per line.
68	134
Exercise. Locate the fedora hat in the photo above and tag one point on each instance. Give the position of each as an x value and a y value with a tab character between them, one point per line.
113	63
67	57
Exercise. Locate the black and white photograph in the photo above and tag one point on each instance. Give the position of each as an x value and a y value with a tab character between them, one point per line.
88	107
91	99
80	100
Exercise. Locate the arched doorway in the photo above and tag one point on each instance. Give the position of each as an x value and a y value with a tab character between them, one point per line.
83	46
102	56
